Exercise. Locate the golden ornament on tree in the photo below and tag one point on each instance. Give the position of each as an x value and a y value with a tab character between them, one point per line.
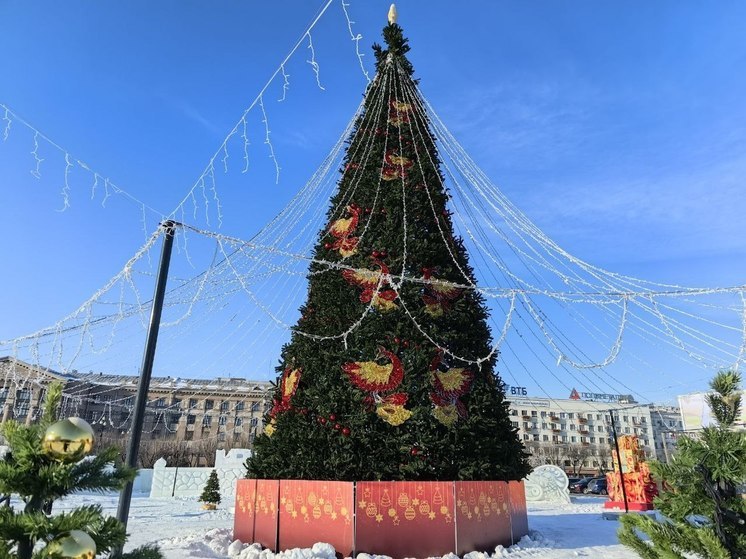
69	439
74	544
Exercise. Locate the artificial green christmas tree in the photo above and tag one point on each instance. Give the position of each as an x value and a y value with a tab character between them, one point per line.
705	517
45	462
390	373
211	492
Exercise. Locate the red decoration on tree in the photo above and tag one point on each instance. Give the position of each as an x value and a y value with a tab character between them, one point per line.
372	377
438	294
370	280
346	431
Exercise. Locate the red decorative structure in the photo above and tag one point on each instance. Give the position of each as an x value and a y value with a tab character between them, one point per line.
638	485
395	518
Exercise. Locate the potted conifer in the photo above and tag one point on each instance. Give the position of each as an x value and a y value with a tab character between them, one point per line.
210	497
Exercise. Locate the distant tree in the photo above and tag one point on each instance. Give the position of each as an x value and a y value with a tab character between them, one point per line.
577	455
211	491
705	517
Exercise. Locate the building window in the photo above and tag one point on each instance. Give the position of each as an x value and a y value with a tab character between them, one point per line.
626	430
573	439
515	424
221	437
254	421
525	437
570	415
209	404
625	418
543	425
206	421
563	415
255	407
543	414
593	439
534	413
590	416
224	405
239	406
545	438
238	421
192	403
555	438
572	426
176	403
536	438
191	419
160	403
564	438
222	420
600	429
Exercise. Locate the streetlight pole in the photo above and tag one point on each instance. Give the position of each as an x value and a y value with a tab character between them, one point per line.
619	460
146	370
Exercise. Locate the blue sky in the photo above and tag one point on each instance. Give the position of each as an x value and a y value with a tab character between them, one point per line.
618	128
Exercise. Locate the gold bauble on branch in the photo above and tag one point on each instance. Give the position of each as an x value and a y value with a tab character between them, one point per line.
74	544
69	439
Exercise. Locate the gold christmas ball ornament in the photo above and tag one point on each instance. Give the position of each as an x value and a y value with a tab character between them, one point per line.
68	439
74	544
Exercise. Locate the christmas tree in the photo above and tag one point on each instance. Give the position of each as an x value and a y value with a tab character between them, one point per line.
45	462
390	372
705	515
211	492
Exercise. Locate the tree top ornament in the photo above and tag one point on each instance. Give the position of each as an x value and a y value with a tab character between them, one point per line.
392	13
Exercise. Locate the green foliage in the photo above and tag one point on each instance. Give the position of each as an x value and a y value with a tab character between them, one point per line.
700	482
37	479
725	403
331	429
211	491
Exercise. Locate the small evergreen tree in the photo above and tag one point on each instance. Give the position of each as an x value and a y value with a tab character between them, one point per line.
211	492
397	380
704	515
38	479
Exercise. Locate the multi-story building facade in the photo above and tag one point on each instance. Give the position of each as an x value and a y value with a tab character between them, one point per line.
577	433
228	410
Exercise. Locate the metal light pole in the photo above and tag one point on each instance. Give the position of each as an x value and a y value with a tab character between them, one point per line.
619	461
146	370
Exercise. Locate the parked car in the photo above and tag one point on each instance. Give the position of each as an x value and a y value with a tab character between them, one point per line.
579	485
597	486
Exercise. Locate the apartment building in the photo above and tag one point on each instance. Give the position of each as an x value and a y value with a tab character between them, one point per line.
580	427
226	409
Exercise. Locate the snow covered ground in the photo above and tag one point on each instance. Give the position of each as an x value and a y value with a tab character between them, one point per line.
184	531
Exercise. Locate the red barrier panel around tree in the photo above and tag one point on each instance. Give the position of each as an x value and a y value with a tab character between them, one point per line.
243	519
482	516
518	513
404	518
395	518
317	511
266	512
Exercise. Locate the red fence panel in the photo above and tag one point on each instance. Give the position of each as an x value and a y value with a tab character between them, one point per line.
405	518
317	511
518	513
482	516
243	520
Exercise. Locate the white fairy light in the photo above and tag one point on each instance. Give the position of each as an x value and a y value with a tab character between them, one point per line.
356	38
285	83
37	160
6	119
312	61
269	142
66	186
